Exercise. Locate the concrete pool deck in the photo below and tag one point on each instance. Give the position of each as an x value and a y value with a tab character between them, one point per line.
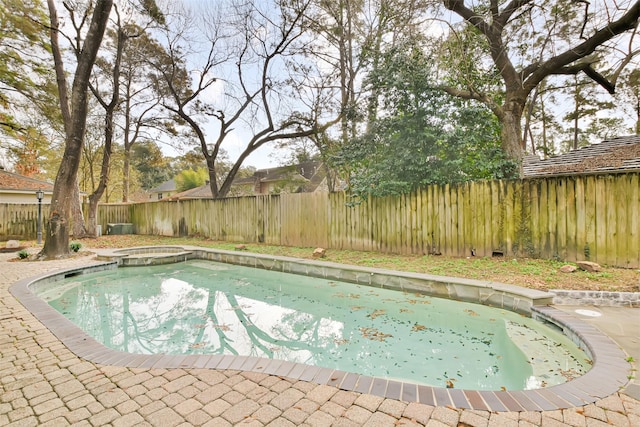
43	382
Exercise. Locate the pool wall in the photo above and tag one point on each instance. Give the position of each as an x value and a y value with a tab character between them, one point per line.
610	371
509	297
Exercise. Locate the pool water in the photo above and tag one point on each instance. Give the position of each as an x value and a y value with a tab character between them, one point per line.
204	307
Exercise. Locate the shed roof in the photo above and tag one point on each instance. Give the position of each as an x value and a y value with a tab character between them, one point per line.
612	155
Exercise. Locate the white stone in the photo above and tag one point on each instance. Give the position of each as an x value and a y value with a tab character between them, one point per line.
12	244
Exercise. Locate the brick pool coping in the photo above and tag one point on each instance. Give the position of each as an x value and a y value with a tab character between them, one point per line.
609	373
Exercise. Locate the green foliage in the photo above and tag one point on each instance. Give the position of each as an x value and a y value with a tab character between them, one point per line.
23	254
75	246
425	137
151	8
153	168
190	178
28	91
462	58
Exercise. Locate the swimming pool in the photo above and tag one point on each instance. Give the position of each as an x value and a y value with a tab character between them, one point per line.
608	374
206	307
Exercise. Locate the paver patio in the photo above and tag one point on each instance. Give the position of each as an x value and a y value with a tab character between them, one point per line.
44	383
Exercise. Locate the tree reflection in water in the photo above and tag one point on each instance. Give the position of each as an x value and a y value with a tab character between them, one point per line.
203	307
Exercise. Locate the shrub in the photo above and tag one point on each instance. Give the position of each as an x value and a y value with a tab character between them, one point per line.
75	246
23	254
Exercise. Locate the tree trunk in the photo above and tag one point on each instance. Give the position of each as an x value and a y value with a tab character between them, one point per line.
511	134
56	243
638	117
125	173
94	198
79	229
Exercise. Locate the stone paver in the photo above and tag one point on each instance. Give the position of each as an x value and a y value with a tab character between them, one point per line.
43	383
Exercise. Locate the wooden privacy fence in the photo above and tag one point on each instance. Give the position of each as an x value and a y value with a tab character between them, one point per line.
587	217
111	213
20	221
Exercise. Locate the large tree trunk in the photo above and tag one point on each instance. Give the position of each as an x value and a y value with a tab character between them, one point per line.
79	229
57	234
511	134
95	197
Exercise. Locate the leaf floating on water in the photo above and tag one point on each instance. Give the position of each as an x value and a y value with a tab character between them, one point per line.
503	388
376	313
569	374
340	341
222	327
405	310
198	345
200	325
471	312
374	334
415	301
449	383
356	307
341	295
417	327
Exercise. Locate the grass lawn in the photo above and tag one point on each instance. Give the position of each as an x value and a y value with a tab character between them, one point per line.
529	273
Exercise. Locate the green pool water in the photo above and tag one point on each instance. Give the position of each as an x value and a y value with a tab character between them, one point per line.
203	307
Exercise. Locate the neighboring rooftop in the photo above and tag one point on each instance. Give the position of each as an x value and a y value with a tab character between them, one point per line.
13	182
303	177
612	155
165	187
202	192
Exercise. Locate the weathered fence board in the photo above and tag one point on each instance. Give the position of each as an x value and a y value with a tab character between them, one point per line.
115	213
633	216
20	221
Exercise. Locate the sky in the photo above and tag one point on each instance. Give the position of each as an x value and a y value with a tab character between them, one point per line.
236	141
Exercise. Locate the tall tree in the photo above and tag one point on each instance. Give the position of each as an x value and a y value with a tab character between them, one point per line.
254	41
496	22
141	110
109	100
422	135
152	167
349	40
630	96
542	128
29	109
74	112
583	117
26	81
